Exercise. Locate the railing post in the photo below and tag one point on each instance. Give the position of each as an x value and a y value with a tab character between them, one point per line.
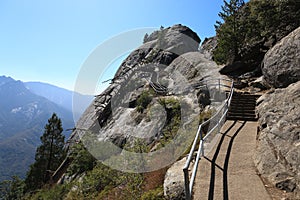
219	87
202	146
187	184
219	128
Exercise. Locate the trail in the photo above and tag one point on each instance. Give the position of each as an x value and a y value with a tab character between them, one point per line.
228	171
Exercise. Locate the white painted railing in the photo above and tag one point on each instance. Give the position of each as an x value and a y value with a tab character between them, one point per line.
219	118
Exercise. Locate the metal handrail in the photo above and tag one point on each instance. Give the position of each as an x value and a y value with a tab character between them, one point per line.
158	88
189	182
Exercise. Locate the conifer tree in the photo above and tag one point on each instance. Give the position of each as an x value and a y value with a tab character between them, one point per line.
228	32
48	155
145	38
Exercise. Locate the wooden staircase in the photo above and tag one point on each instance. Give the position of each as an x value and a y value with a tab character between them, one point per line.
242	107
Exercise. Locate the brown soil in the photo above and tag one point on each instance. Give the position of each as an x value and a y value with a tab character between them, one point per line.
154	179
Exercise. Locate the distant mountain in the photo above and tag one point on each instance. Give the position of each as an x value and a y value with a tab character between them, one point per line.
61	96
23	116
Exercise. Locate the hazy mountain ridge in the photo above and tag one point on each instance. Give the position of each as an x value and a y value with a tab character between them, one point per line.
61	96
23	116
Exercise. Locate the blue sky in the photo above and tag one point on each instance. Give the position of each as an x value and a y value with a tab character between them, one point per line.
48	41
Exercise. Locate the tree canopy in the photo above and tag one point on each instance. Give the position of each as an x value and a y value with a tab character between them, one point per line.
246	30
229	32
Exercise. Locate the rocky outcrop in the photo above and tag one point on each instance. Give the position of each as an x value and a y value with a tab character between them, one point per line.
277	155
169	60
259	83
281	65
208	46
162	47
176	40
171	31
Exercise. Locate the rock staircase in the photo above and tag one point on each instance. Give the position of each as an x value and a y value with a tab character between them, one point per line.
242	107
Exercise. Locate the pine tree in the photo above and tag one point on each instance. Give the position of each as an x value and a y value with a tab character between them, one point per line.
228	32
48	155
145	38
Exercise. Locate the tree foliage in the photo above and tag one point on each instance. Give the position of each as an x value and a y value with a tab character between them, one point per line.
49	155
243	26
145	38
228	33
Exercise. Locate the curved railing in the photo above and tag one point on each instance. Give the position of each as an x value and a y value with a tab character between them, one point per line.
158	88
215	122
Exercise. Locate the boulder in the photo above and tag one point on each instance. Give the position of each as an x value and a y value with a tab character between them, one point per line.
174	181
277	155
259	83
203	96
281	64
208	46
176	28
241	69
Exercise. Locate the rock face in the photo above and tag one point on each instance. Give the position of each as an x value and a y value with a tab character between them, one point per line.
281	65
142	99
155	61
194	66
161	48
277	157
170	34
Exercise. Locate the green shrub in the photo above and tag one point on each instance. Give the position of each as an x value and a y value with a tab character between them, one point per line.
143	101
156	194
102	181
57	192
82	160
12	189
172	125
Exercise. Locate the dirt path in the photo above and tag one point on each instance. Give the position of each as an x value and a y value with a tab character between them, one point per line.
228	171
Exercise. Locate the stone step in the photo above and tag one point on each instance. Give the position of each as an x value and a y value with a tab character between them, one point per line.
236	107
241	115
244	97
243	101
241	118
242	107
241	112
